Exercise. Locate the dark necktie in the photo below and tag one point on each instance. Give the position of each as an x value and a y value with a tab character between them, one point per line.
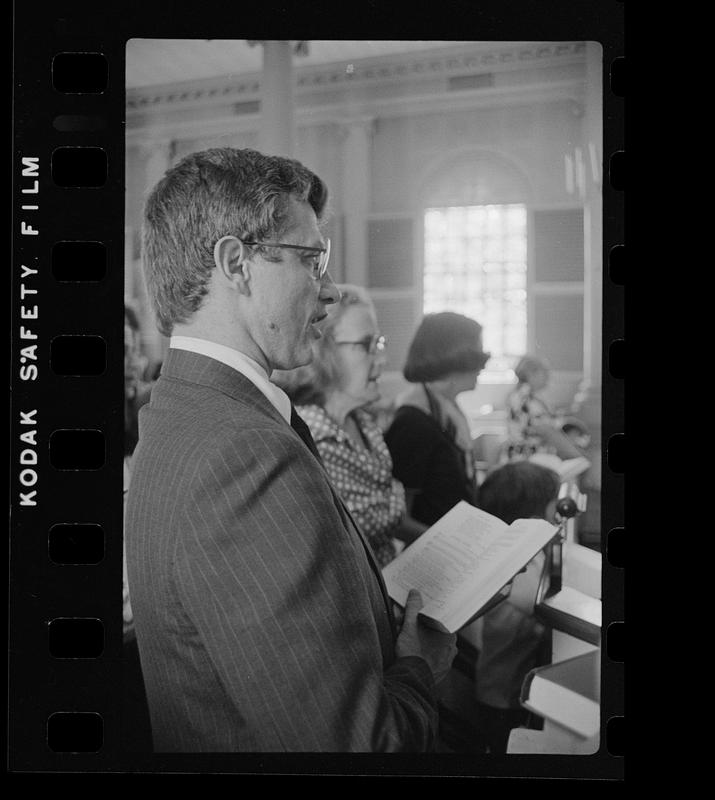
299	426
304	432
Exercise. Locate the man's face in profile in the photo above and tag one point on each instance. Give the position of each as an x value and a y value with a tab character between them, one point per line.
290	300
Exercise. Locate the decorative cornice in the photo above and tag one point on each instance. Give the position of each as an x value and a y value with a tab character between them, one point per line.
193	92
399	68
226	121
448	64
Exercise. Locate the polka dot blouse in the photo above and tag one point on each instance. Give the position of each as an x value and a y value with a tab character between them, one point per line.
362	477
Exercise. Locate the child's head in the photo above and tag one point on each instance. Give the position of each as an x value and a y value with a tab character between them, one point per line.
520	490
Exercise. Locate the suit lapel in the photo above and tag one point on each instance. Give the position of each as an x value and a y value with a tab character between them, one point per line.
304	432
349	522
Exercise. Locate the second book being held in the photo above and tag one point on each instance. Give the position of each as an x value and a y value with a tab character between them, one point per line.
464	563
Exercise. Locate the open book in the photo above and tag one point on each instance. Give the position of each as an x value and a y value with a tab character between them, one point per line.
567	693
567	469
462	562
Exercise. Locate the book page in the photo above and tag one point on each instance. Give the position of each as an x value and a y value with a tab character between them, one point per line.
462	561
513	548
444	558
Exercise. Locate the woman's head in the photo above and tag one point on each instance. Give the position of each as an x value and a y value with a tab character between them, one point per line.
533	370
347	359
133	361
445	344
132	374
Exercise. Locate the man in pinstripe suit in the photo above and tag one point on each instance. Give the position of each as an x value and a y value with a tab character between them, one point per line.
261	616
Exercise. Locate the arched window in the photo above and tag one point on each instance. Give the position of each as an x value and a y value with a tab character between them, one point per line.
475	249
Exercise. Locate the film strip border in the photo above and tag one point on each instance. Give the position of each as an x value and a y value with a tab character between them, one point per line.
65	632
613	413
67	409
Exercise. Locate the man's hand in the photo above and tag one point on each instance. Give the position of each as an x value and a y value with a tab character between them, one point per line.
399	614
415	639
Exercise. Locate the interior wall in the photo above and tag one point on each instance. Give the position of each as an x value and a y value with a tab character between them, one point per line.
409	147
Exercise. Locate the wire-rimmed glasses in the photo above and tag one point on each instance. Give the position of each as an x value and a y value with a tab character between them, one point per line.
370	344
315	259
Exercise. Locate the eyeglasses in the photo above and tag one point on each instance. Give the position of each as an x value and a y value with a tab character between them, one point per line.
370	344
315	259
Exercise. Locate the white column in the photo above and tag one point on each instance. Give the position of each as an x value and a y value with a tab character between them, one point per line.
357	143
158	160
589	395
277	133
154	156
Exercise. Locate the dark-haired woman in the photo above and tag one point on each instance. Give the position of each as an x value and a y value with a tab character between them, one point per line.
429	438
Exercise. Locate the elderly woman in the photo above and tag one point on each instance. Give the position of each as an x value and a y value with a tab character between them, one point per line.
429	437
332	395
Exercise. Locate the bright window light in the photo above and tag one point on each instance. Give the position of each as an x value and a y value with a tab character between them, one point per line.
475	264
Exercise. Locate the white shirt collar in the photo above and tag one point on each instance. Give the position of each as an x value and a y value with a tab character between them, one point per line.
241	363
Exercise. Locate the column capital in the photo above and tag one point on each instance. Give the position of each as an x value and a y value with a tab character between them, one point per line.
357	123
300	47
152	148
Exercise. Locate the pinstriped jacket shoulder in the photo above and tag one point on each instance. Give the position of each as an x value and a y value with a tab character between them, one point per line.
261	617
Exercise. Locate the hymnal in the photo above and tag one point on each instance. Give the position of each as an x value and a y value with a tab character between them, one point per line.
567	693
463	562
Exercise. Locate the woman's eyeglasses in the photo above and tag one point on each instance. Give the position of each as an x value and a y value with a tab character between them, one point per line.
315	259
370	344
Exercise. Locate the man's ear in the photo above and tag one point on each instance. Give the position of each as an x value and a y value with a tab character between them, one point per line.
231	260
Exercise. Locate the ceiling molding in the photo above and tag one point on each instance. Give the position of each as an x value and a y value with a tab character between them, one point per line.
228	122
400	69
451	63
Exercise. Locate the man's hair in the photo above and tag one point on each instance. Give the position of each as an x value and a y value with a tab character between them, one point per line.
308	385
207	195
518	490
528	365
444	343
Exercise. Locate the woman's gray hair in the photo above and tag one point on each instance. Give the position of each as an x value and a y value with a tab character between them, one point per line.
308	385
207	195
